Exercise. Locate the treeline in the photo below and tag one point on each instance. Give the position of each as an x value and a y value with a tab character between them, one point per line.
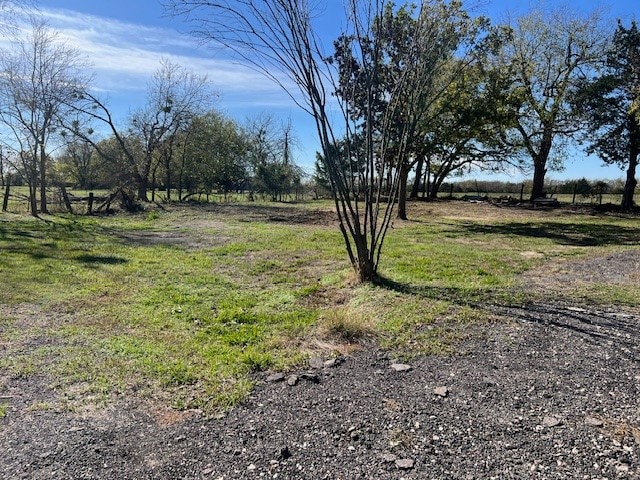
427	94
55	132
580	187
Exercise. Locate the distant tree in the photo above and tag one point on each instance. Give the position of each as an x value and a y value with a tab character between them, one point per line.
174	97
79	163
214	153
545	57
40	78
274	171
610	106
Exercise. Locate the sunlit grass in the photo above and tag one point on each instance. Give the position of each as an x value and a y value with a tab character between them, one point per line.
186	304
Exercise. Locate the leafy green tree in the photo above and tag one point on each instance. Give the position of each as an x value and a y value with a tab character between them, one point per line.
545	57
215	155
610	106
466	128
424	51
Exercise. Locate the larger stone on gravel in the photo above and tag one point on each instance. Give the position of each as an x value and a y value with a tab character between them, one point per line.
441	391
400	367
332	362
389	457
276	377
593	422
316	362
292	380
551	422
404	463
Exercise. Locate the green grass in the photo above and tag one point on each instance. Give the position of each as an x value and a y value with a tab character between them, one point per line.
185	305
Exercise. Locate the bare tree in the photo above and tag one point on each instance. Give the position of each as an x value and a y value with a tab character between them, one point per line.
10	13
278	38
40	78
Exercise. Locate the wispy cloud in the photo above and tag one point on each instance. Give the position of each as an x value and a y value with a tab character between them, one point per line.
125	56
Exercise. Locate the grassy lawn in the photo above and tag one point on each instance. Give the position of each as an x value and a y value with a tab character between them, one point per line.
184	305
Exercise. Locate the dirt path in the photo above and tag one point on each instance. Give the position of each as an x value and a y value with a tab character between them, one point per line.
549	391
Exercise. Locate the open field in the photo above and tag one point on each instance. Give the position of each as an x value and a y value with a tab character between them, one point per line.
146	346
186	305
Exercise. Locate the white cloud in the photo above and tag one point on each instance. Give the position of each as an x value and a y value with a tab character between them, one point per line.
125	55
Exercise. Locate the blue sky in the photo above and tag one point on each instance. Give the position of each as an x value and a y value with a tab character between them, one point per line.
125	40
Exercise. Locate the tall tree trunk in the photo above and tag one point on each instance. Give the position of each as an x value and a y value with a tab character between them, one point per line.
168	180
634	151
402	194
539	172
33	201
416	184
540	164
630	186
43	180
143	187
5	201
436	183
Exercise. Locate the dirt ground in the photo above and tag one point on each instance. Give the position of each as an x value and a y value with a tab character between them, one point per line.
547	390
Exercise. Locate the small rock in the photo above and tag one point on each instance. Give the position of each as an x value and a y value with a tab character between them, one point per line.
441	391
404	463
316	362
292	380
310	377
331	363
551	422
251	467
275	377
400	367
576	309
389	457
593	421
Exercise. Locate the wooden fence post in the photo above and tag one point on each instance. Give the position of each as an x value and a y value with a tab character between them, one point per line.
65	197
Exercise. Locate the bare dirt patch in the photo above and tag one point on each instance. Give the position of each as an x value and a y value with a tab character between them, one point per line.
563	275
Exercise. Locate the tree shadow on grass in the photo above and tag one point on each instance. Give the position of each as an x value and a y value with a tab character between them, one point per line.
583	235
101	259
596	325
42	240
472	297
